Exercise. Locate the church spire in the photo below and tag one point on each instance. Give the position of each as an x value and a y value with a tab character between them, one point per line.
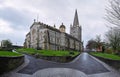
76	21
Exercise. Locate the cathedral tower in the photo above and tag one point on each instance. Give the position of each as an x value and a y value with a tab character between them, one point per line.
75	29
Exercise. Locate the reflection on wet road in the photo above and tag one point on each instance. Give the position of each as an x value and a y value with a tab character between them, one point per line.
84	63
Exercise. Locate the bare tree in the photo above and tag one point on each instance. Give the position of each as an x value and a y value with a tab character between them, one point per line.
113	12
98	41
113	38
95	43
91	44
98	38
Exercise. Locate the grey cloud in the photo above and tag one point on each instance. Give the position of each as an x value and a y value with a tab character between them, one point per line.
15	38
17	18
55	12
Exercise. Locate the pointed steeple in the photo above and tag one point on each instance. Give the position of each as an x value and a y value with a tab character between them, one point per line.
76	21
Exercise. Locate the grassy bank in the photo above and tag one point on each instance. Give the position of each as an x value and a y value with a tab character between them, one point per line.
9	54
47	52
106	55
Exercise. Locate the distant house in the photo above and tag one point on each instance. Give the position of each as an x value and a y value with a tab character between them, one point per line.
0	43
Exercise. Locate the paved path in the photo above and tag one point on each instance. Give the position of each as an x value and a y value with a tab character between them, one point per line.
84	63
83	66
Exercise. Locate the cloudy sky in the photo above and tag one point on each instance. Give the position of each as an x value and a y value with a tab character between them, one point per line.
16	16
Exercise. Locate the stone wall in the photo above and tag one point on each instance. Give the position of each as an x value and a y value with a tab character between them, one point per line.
62	59
113	63
10	63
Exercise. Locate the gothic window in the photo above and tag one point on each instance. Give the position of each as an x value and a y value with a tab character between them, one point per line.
41	37
73	31
41	32
58	40
51	39
33	31
44	37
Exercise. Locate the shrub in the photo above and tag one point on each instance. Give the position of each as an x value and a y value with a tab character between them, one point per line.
5	49
71	52
109	51
119	50
9	54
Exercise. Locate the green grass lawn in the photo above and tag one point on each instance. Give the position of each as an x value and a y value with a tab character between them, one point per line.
27	51
47	52
105	55
9	54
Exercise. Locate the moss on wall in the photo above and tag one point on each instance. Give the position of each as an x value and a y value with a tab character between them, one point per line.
10	63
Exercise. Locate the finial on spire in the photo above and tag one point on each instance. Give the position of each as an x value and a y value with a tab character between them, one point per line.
54	26
34	20
76	9
37	17
70	25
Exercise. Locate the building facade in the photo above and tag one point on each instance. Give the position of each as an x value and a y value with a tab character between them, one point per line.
42	36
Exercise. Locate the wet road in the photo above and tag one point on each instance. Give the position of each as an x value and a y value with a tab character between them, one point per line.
84	63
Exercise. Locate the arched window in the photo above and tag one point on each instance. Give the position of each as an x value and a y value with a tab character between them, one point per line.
33	31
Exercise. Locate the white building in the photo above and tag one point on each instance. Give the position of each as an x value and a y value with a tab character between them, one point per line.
42	36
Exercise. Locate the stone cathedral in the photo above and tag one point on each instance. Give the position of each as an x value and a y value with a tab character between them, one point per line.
42	36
